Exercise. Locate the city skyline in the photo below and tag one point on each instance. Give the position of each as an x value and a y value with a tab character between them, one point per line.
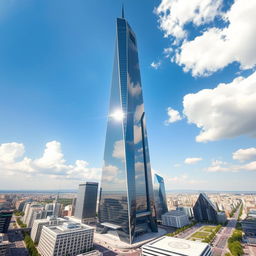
55	88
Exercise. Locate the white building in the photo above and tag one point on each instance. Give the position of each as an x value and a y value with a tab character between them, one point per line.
67	239
39	223
175	219
187	210
171	246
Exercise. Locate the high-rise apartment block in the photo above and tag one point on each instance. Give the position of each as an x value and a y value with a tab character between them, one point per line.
86	201
67	239
126	205
160	196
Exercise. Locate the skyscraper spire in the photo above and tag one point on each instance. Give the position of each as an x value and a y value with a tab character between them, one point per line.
123	11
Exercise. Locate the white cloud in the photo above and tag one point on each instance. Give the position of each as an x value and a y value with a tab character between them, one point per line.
175	14
226	111
173	116
183	179
156	65
218	166
214	47
245	154
134	89
11	151
192	160
51	164
137	134
139	111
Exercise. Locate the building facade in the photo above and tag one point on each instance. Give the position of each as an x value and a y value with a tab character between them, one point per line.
86	201
126	205
205	210
175	219
67	239
39	223
5	219
249	228
187	210
160	196
4	244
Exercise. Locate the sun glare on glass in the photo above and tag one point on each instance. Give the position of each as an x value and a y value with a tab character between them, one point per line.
118	115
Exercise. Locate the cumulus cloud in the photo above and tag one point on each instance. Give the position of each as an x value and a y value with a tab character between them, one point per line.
155	65
183	179
245	154
216	46
232	168
192	160
51	164
225	111
173	116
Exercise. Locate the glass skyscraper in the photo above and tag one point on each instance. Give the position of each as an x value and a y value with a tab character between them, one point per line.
86	201
126	206
205	210
160	196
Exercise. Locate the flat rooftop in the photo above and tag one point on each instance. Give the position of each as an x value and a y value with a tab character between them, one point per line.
68	227
175	213
177	246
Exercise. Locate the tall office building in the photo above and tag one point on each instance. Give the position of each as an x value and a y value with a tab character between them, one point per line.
126	205
5	219
205	210
160	196
4	244
86	201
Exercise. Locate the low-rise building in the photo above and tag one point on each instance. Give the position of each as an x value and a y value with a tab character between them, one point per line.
175	219
67	239
39	223
171	246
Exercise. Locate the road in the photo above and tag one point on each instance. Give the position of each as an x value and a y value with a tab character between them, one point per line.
17	246
220	241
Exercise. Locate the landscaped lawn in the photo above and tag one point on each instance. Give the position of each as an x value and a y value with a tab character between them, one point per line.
200	235
208	228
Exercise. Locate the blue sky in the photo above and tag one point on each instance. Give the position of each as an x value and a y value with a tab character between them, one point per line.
56	60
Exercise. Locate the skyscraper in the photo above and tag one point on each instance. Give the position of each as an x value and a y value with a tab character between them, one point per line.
86	201
5	219
160	196
205	210
126	204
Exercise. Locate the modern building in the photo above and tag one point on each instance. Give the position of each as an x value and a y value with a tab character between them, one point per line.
221	217
171	246
35	211
177	219
67	239
126	205
86	201
205	210
187	210
39	223
160	196
4	244
5	219
249	228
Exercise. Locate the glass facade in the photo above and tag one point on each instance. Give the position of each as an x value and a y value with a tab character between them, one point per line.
205	210
160	196
126	205
86	201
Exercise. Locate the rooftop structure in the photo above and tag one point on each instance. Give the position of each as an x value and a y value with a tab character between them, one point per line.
170	246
